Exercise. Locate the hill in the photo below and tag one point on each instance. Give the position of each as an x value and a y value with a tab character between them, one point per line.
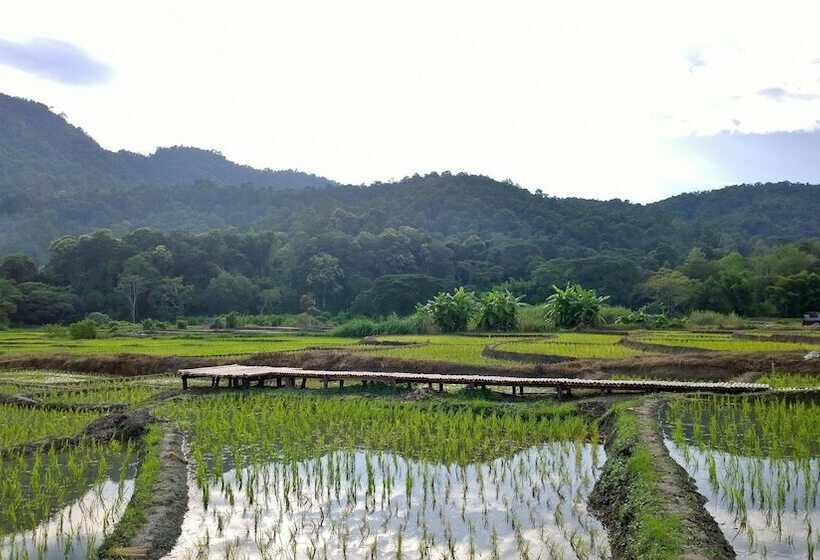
41	152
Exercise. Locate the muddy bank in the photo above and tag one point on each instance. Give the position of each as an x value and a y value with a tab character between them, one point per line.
119	425
168	500
649	505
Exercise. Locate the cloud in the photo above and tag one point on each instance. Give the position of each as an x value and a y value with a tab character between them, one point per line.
54	60
780	94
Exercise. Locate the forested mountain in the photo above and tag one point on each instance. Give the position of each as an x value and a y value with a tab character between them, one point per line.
98	220
42	152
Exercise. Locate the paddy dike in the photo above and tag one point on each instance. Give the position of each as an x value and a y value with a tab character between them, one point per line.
674	496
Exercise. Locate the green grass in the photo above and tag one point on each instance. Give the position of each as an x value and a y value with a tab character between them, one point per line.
216	344
20	425
781	380
48	377
631	480
574	345
108	392
444	348
721	342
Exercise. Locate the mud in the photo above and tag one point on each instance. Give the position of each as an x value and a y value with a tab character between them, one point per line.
169	499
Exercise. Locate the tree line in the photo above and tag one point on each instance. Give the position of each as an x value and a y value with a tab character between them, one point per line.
149	273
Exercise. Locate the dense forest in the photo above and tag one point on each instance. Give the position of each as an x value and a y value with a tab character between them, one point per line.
187	232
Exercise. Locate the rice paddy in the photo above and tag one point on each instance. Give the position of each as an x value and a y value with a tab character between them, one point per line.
721	342
300	476
574	345
782	380
61	504
757	461
19	424
465	350
218	344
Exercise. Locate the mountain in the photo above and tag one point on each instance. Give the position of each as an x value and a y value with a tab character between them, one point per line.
56	180
41	151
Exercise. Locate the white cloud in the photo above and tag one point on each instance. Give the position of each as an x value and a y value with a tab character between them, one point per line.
575	98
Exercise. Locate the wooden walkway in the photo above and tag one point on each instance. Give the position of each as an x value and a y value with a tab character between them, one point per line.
237	375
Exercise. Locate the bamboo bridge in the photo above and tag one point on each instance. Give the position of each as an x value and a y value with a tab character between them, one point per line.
242	376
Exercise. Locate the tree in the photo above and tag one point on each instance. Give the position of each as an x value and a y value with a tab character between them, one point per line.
40	304
573	307
498	311
795	294
132	286
9	297
451	312
672	288
19	268
324	275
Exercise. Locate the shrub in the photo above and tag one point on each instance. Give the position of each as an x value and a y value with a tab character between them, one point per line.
393	324
83	329
706	318
498	311
649	317
218	323
531	319
232	320
360	327
148	324
182	324
574	307
451	312
100	319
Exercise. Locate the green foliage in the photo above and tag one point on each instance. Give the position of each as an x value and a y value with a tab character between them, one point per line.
100	319
85	329
647	317
498	311
451	312
182	324
706	318
232	320
218	323
364	326
574	307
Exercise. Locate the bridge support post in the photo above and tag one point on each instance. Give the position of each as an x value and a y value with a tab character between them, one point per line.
184	382
441	387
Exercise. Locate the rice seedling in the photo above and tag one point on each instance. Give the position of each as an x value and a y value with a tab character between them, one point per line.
357	478
721	342
20	425
574	345
781	380
60	504
465	350
757	461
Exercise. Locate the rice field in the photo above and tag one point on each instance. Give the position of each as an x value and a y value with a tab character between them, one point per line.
217	344
301	476
757	461
19	424
61	504
782	380
721	342
574	345
458	349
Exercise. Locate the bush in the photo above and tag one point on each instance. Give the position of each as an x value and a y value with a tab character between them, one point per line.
451	312
148	325
706	318
100	319
611	314
531	319
651	316
232	320
362	326
574	307
182	324
218	323
498	311
83	329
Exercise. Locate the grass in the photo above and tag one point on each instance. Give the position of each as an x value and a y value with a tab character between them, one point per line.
721	342
574	345
780	380
107	392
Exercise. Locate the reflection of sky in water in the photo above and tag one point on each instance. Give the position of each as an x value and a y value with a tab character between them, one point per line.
75	528
535	500
759	538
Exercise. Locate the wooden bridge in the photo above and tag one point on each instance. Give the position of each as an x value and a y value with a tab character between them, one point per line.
237	375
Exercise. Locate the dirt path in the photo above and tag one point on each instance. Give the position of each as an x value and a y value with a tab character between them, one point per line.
680	496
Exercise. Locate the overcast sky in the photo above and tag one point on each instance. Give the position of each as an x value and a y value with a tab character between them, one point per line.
634	100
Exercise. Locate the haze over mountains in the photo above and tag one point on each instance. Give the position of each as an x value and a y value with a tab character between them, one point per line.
55	180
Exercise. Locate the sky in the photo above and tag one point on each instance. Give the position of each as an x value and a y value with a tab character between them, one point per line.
630	100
